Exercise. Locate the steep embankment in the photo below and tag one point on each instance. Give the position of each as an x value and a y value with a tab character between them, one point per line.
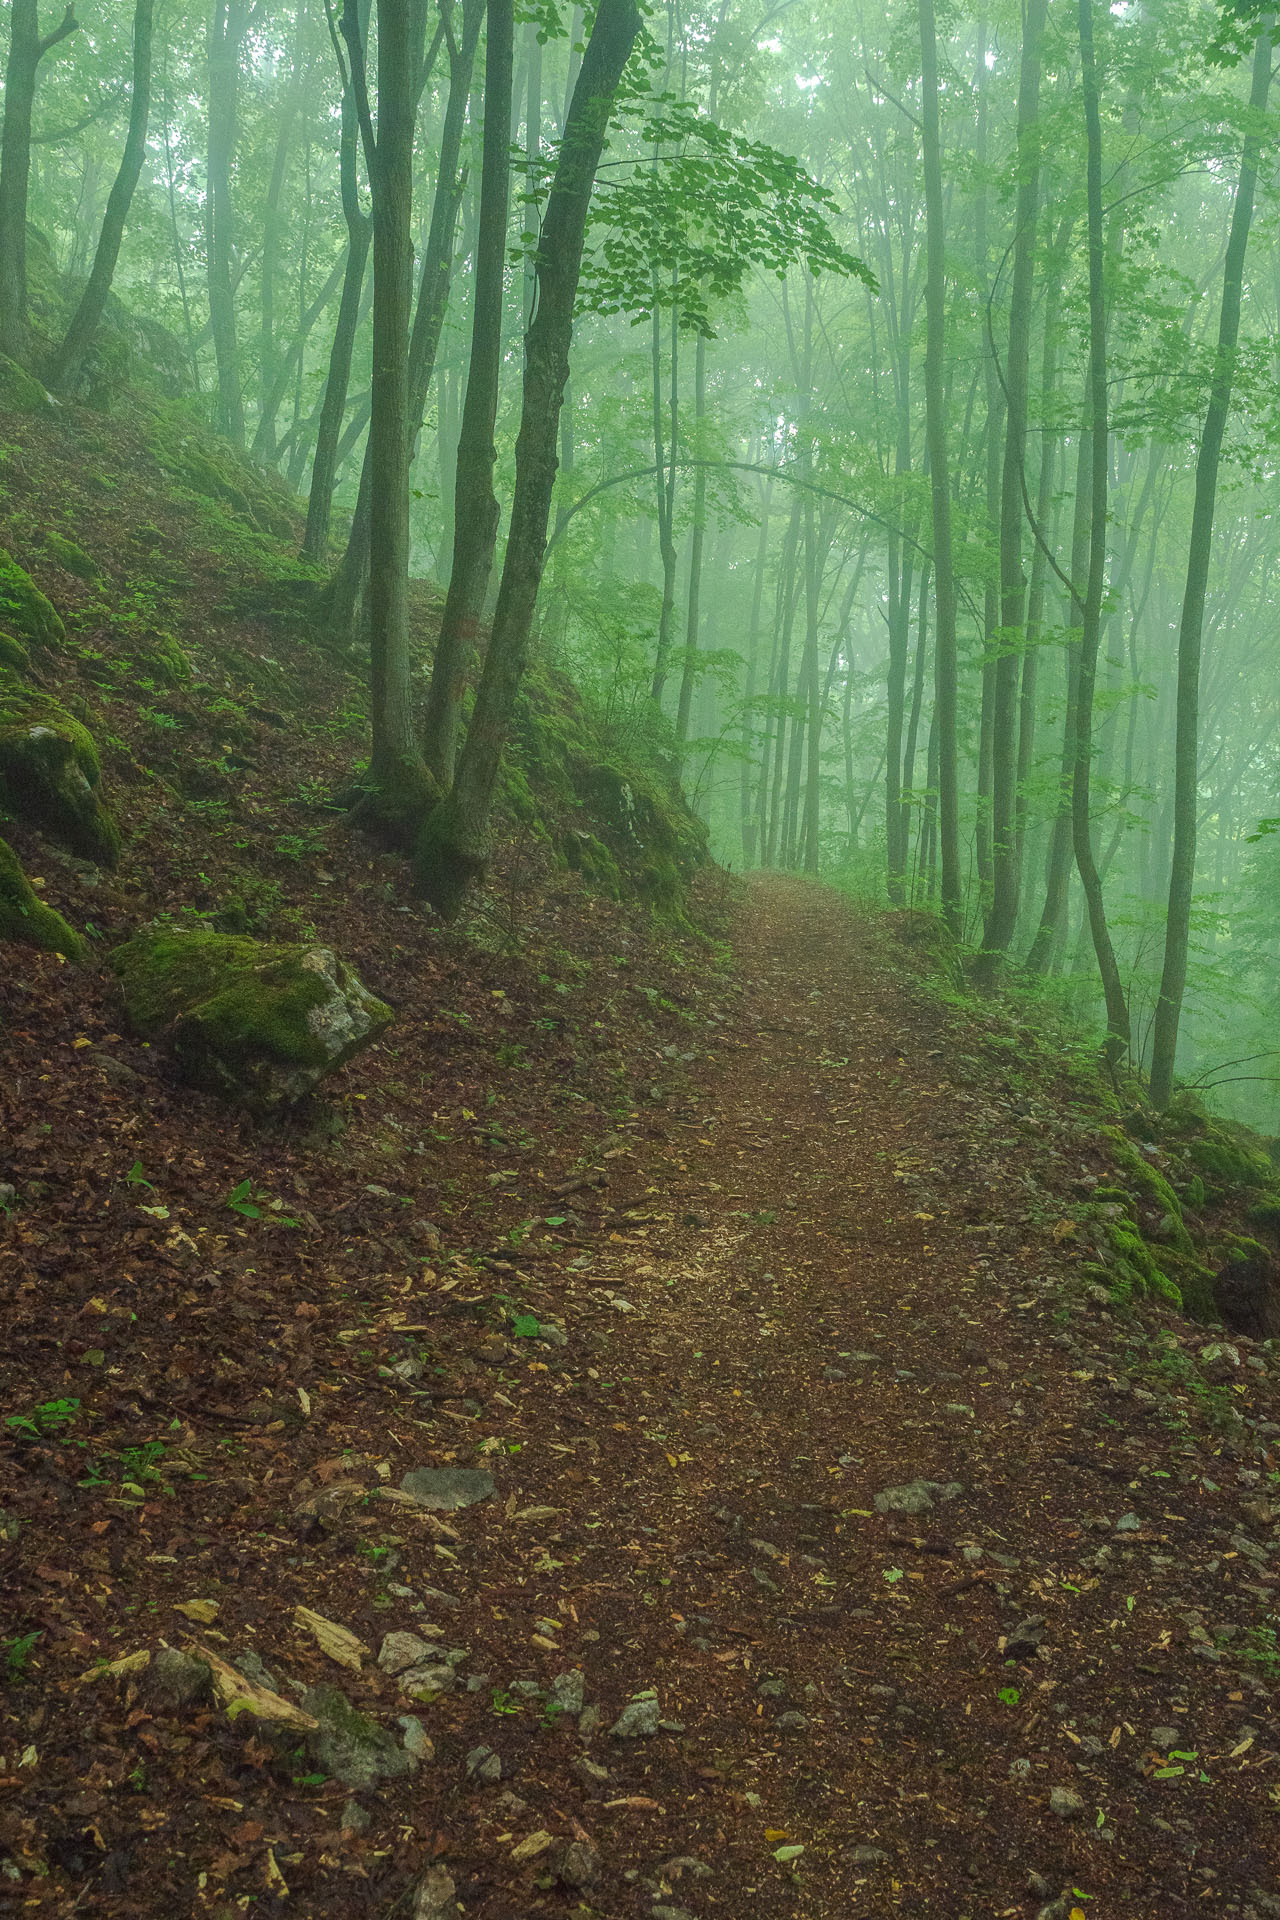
954	1586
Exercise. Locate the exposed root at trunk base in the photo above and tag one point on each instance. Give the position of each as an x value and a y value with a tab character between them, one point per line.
444	868
393	807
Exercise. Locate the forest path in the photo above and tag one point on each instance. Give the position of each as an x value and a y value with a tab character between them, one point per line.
855	1307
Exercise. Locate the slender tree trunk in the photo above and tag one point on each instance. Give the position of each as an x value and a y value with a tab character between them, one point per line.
476	510
748	816
64	368
346	593
1173	978
1091	616
665	480
454	846
1002	916
944	599
812	688
271	387
395	763
697	542
1058	866
26	50
226	37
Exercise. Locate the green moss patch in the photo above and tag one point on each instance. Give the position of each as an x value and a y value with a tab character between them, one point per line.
258	1023
72	559
24	916
13	654
24	609
20	392
50	773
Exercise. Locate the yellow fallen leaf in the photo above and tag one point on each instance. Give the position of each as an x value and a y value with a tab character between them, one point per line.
775	1833
81	1041
338	1642
112	1669
275	1879
204	1612
239	1695
533	1844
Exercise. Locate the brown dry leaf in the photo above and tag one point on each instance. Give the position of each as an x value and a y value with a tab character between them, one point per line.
1062	1230
538	1513
239	1695
203	1612
338	1642
112	1669
637	1800
532	1845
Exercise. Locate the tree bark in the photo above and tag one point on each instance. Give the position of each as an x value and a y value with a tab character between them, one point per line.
944	599
454	847
226	37
1002	916
697	543
26	50
64	368
1173	978
476	510
1091	613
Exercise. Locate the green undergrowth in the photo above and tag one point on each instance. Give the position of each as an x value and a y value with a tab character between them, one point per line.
1182	1207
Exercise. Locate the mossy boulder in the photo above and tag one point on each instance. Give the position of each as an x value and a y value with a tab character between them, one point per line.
1246	1290
13	654
24	916
258	1023
20	391
72	559
24	609
1147	1183
161	658
50	774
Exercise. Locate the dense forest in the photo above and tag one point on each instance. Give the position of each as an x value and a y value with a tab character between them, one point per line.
907	484
640	898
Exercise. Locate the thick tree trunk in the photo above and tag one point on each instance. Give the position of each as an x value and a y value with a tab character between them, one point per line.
64	368
476	510
944	599
226	36
1091	615
1002	916
26	51
1182	873
454	846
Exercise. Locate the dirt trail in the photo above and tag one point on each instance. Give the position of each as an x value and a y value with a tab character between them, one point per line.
827	1269
834	1324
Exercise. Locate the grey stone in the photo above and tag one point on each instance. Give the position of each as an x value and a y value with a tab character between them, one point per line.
177	1679
917	1496
569	1691
1165	1737
1066	1804
1128	1523
439	1598
436	1897
589	1721
443	1489
576	1864
1022	1641
484	1765
427	1681
662	1912
354	1818
401	1650
791	1722
251	1666
682	1863
868	1857
588	1773
417	1741
641	1716
834	1373
351	1746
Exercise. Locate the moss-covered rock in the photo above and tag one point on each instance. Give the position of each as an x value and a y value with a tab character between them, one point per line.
20	391
1227	1160
258	1023
72	559
161	658
13	654
24	916
1246	1289
24	608
1148	1183
50	774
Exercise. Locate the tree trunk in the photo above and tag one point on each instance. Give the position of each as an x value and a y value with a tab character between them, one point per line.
1091	614
748	815
347	589
476	510
1058	867
226	36
64	368
395	764
813	558
665	480
26	51
944	599
1173	978
1002	916
697	542
454	846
